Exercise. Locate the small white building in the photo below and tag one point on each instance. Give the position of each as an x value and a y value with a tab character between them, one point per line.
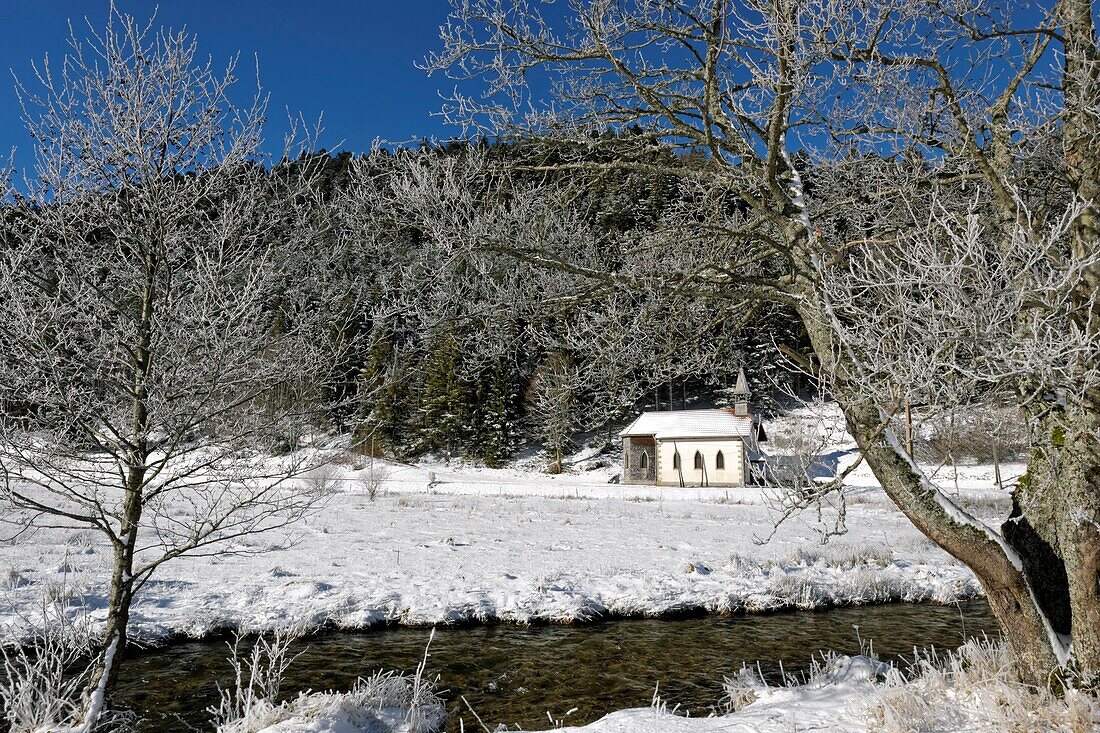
693	447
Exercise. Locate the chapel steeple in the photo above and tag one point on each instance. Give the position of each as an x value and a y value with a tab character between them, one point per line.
741	394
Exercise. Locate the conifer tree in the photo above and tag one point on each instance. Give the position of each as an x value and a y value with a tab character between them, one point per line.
443	425
382	421
495	435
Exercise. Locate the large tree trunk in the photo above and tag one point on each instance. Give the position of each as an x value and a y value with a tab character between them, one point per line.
1006	587
1065	480
1058	505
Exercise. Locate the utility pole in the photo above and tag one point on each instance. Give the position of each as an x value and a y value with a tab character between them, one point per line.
908	428
997	466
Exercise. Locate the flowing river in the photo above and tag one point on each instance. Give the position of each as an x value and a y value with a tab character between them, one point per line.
516	675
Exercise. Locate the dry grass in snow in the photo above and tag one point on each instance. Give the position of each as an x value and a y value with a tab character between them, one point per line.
385	702
975	689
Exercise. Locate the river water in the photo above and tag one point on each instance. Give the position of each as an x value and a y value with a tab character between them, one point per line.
516	675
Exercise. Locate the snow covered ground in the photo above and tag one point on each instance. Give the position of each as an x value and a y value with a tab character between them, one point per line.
446	543
834	699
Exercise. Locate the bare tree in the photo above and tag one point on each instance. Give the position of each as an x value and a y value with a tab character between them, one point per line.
803	472
999	286
553	405
745	82
969	316
615	347
162	337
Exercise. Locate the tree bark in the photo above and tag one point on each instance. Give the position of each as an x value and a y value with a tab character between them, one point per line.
121	599
1058	501
1067	495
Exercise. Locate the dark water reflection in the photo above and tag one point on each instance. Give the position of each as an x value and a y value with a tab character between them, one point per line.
516	675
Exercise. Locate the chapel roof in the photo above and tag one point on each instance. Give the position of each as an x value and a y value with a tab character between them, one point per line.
690	424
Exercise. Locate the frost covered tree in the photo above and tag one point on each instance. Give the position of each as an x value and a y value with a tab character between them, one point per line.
615	342
161	330
552	405
949	95
455	312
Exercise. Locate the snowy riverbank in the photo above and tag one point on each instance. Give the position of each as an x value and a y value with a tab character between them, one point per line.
969	690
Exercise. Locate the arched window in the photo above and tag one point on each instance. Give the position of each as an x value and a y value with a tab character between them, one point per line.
720	461
676	460
643	462
698	461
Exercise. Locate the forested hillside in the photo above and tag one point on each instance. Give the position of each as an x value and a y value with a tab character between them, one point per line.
455	339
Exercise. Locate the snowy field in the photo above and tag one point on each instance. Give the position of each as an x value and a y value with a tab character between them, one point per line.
447	543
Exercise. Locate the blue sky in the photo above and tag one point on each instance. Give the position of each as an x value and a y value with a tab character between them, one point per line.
351	59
